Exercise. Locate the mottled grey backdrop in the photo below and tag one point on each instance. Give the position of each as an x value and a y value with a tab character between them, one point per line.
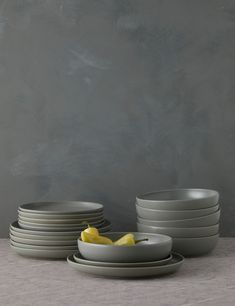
101	100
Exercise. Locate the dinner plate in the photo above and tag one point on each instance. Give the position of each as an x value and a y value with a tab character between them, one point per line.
64	207
69	242
78	258
44	237
48	254
34	226
129	272
53	227
63	222
40	247
16	228
58	216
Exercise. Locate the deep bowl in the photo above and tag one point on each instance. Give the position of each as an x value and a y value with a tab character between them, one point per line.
165	215
178	199
207	220
156	248
186	232
195	246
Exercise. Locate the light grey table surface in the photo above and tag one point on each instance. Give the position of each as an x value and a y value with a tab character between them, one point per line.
206	281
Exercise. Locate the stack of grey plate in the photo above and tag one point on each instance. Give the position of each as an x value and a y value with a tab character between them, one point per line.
189	216
51	229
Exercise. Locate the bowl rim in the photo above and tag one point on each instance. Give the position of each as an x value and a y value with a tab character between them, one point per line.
198	238
167	241
218	211
180	228
178	211
211	194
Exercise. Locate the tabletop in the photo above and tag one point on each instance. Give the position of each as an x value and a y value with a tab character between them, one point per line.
202	281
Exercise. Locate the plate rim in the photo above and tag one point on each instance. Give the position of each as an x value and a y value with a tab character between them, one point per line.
15	226
60	242
24	208
120	264
42	248
71	261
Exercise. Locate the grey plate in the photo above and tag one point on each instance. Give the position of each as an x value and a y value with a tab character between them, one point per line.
181	199
44	237
157	247
52	238
166	215
195	222
127	272
48	254
58	216
40	247
53	227
195	246
15	227
78	258
69	242
65	207
63	222
187	232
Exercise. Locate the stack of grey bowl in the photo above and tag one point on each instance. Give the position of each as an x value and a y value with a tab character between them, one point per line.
51	229
189	216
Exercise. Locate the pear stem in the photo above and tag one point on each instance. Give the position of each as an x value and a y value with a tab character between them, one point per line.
140	240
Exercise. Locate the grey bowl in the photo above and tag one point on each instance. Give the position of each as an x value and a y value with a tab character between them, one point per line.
178	199
195	246
157	248
166	215
207	220
186	232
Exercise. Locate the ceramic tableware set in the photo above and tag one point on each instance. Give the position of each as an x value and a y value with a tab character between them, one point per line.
172	222
147	258
51	229
189	216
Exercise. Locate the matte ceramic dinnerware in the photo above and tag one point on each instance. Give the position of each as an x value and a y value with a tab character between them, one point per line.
72	238
128	272
178	199
166	215
186	232
15	226
78	258
63	222
157	247
53	227
207	220
48	254
64	207
40	247
71	242
60	216
195	246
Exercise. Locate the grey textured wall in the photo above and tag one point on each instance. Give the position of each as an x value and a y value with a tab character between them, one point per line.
101	100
